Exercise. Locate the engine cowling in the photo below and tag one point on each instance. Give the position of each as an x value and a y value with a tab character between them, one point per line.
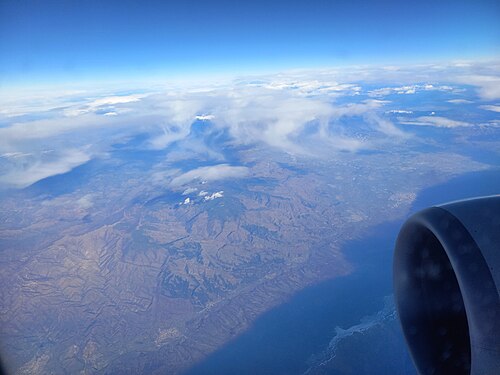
446	285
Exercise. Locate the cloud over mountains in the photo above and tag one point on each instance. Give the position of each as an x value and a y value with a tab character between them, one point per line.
310	113
210	173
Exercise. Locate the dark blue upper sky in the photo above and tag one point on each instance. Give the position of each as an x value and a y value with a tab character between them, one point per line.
63	40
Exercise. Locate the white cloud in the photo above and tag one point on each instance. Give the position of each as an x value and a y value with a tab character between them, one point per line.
256	115
205	117
85	202
441	122
218	194
494	108
409	89
346	144
488	86
21	132
399	111
164	177
460	101
189	191
210	173
108	102
15	155
492	124
308	87
169	136
177	116
387	127
39	170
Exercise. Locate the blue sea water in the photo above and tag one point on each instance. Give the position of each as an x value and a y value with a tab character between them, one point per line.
283	340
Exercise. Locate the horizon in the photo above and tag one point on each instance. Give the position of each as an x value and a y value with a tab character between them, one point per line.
54	43
216	187
487	67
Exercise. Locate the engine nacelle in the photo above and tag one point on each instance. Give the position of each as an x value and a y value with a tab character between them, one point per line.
446	286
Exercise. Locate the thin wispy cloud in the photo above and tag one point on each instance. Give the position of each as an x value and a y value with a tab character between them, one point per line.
388	128
210	173
460	101
493	108
441	122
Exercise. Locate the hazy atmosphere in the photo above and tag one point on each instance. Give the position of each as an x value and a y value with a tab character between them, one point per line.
216	187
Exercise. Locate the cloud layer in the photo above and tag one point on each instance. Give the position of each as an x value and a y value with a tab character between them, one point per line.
310	113
26	175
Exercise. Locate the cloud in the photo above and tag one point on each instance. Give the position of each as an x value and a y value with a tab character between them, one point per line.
210	173
494	108
20	132
342	143
39	170
177	115
491	123
204	117
164	177
284	121
170	135
107	102
409	89
257	115
399	111
313	113
304	86
85	202
487	86
189	191
274	112
14	155
388	128
460	101
218	194
441	122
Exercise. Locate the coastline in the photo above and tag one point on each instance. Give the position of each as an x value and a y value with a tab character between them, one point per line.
283	339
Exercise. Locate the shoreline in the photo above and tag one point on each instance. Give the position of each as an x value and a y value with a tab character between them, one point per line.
246	349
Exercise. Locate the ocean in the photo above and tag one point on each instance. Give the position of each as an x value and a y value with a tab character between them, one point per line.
316	324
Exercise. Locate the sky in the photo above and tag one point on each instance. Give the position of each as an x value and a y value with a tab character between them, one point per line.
78	40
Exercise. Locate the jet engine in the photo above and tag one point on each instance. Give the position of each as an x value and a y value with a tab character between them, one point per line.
446	286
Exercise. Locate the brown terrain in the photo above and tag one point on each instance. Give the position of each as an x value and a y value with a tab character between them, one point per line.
116	275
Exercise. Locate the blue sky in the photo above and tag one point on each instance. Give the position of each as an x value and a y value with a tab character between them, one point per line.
72	40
